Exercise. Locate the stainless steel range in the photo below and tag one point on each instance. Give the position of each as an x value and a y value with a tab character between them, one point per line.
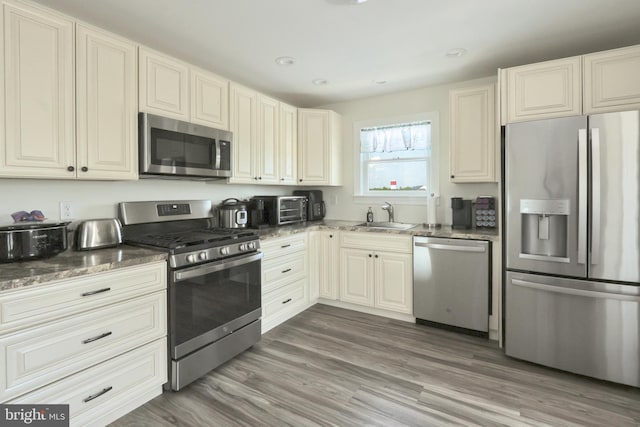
214	281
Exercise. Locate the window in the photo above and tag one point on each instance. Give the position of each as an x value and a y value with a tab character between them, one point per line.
396	156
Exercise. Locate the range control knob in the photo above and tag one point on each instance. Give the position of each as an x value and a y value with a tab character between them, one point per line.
202	256
243	247
191	258
224	251
252	245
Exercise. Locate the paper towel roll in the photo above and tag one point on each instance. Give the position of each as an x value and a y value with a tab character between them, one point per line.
431	210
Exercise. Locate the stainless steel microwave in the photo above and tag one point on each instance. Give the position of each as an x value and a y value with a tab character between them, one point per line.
171	148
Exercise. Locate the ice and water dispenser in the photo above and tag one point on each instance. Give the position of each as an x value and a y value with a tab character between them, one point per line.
545	229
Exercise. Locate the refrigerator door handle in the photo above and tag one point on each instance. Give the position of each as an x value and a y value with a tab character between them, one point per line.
582	196
595	195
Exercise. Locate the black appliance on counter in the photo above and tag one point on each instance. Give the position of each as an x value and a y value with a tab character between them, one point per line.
316	208
32	240
461	213
278	210
214	283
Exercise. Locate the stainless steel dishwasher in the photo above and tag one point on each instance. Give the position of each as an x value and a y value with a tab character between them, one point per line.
451	283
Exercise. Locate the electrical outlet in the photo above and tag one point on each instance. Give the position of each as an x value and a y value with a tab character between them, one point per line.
65	211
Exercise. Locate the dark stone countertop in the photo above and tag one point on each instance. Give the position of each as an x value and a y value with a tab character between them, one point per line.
72	264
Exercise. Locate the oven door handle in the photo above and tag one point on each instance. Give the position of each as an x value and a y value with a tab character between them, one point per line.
203	269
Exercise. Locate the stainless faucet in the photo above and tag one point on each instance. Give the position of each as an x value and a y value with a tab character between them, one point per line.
387	207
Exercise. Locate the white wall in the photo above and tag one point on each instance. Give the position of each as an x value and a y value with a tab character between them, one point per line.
340	201
99	199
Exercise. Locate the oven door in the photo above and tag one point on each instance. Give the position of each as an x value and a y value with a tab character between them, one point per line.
173	147
209	301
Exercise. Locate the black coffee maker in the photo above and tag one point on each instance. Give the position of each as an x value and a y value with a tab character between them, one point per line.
461	213
258	215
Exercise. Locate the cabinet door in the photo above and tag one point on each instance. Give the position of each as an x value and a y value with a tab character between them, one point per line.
164	85
242	122
209	99
313	147
39	131
288	147
544	90
611	81
472	130
324	260
268	137
356	276
394	282
107	109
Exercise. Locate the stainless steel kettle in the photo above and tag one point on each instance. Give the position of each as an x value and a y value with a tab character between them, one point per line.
232	213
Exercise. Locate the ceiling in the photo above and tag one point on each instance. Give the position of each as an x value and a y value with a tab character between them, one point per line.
402	42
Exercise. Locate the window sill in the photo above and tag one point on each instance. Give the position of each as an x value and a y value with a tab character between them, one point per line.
393	199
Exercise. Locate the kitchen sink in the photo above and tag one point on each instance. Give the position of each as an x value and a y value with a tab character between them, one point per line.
387	225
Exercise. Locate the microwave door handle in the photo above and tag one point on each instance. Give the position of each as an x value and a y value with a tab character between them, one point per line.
218	155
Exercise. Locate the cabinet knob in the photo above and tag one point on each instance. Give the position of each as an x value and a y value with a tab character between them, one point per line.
453	176
300	180
255	177
84	169
71	168
281	179
331	236
369	255
259	177
376	256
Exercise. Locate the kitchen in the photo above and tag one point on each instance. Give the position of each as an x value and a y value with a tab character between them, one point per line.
98	199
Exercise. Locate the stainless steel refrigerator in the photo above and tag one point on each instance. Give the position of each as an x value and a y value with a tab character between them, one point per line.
572	209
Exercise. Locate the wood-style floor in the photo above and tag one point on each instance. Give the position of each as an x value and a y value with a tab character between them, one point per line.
329	366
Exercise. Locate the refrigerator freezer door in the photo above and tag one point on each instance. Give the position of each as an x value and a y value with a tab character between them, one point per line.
590	328
615	193
546	196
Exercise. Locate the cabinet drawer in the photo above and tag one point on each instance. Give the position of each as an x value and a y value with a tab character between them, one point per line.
275	274
376	241
112	384
38	356
289	297
30	306
276	248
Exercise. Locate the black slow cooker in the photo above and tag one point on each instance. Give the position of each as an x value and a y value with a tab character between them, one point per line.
23	241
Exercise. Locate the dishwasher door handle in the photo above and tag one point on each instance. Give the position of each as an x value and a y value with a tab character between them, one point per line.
457	248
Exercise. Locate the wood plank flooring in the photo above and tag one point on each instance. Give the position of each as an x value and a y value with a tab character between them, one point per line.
329	366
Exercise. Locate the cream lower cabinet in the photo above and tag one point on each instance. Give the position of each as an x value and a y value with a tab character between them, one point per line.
324	259
97	343
376	271
472	134
285	279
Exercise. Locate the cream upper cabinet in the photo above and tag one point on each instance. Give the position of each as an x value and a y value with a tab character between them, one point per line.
544	90
324	277
209	99
472	134
319	155
38	140
164	85
268	140
288	158
107	106
242	123
612	80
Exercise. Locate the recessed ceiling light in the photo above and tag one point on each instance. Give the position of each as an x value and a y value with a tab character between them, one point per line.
379	82
285	60
456	53
319	82
358	1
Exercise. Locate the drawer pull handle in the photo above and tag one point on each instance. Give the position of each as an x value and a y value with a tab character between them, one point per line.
285	246
88	340
286	301
286	271
98	394
99	291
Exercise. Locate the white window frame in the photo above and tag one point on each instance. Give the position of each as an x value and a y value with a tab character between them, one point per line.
400	197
